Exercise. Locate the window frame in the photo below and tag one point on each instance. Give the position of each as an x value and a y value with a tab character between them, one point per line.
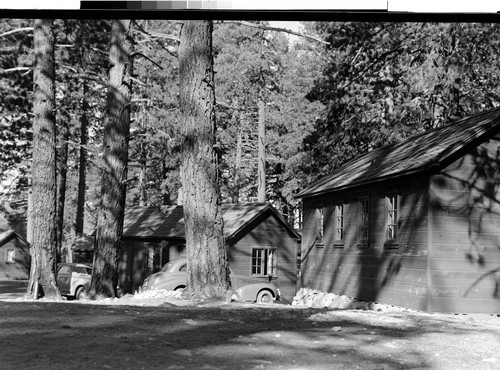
364	221
339	242
10	255
320	225
267	260
392	219
298	264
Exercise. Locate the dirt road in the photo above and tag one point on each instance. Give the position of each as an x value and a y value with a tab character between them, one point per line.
174	334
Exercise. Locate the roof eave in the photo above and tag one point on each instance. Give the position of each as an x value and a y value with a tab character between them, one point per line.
422	171
235	235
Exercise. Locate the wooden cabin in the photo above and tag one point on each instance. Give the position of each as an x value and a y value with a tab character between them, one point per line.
260	243
14	256
414	224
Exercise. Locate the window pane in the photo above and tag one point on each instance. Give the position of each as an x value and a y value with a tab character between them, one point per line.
271	262
392	217
65	270
339	219
321	225
364	219
264	262
257	261
11	255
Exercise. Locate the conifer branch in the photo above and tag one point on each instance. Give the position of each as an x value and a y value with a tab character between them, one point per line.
277	29
24	29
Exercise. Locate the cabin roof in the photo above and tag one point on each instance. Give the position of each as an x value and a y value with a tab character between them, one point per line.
8	235
167	222
429	151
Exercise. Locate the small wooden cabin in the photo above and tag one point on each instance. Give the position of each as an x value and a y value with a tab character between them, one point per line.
414	224
260	243
14	256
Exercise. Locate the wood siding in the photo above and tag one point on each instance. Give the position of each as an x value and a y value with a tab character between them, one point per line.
268	233
465	266
395	273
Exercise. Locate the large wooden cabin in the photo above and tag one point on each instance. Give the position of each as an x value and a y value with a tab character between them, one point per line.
414	224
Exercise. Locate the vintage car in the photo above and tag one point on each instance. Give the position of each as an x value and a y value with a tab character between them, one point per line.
73	279
173	276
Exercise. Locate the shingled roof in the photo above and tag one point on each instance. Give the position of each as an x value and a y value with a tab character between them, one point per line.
167	222
142	222
428	152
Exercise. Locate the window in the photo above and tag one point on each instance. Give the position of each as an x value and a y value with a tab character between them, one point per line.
299	263
264	262
64	270
392	217
10	256
320	225
339	223
149	255
364	220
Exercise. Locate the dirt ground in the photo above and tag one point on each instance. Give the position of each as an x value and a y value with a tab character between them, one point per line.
166	332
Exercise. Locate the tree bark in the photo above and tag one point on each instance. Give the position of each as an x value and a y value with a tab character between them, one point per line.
261	167
43	247
63	175
82	167
115	158
142	184
206	247
237	163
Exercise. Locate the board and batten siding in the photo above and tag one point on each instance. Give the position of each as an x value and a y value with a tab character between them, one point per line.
465	264
269	233
395	273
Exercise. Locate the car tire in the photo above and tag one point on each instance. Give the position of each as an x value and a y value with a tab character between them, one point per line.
265	296
80	293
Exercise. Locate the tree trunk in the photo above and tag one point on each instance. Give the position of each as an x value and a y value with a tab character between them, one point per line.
206	248
142	184
237	164
43	247
61	193
82	167
115	157
261	168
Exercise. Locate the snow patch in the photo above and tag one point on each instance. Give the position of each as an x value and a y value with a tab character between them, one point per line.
307	297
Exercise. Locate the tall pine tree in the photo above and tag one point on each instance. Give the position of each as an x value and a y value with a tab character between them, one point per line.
206	248
43	210
115	158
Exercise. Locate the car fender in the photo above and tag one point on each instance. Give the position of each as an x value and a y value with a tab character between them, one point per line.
77	280
169	283
249	292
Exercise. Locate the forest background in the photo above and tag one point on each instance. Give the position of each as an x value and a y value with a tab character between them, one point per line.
347	88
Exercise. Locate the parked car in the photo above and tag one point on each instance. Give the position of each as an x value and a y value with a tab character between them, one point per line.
73	279
173	276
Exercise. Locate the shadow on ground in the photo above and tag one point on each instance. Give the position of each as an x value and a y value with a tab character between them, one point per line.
71	335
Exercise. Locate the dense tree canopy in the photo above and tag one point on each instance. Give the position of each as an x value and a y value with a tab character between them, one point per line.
253	64
386	81
374	84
